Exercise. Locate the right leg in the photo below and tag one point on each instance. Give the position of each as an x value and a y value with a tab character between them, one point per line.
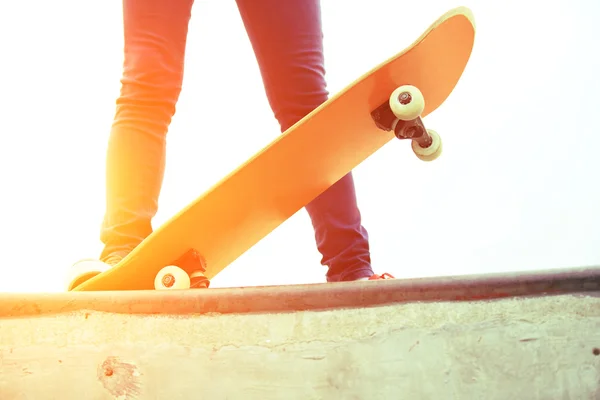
155	34
288	43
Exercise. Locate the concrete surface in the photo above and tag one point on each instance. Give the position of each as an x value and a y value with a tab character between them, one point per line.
511	348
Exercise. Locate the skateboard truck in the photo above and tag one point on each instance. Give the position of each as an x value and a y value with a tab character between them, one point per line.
401	114
185	273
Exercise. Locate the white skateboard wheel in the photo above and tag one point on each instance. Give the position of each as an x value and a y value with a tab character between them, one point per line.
407	102
171	278
429	153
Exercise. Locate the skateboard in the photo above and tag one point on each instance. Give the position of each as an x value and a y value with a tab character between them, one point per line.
388	102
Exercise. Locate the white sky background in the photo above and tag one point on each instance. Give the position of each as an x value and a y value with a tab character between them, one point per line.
516	188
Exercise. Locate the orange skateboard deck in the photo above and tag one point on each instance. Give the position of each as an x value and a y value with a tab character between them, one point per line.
236	213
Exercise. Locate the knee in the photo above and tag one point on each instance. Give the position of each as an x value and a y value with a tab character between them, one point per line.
297	87
152	75
150	88
297	105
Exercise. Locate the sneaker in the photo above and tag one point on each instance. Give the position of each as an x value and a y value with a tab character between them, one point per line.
376	277
112	260
385	275
84	270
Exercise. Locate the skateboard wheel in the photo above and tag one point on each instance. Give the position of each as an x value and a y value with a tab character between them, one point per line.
429	153
407	102
171	278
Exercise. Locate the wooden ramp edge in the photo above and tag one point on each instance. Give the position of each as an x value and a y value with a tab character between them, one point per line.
505	336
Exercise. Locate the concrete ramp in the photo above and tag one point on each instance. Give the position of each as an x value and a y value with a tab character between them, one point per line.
511	336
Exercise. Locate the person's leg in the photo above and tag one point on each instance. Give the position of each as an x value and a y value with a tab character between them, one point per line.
288	43
155	33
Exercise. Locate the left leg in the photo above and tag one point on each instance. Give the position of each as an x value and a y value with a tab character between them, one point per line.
287	39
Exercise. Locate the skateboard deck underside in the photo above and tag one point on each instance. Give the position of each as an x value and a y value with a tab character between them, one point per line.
304	161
